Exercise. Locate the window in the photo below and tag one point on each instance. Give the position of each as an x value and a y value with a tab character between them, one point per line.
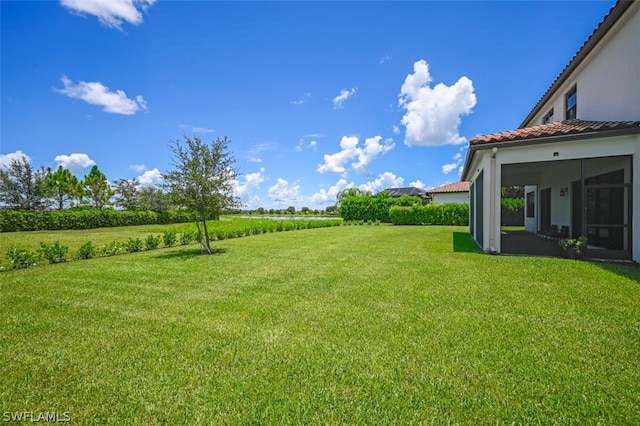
531	204
548	118
571	102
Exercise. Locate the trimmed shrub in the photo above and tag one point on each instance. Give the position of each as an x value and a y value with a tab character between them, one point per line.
169	238
111	249
54	253
21	258
188	237
152	242
431	214
86	251
133	245
83	218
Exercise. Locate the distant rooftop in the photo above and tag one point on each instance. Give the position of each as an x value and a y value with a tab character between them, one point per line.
461	186
409	190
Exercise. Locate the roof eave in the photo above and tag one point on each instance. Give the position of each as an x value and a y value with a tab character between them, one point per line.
543	140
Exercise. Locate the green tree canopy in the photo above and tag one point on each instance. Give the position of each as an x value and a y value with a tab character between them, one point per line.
22	187
202	181
97	188
63	186
126	194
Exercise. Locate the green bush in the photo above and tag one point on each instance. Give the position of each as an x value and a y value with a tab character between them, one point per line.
54	253
133	245
431	214
169	238
86	251
188	237
152	242
21	258
83	218
111	249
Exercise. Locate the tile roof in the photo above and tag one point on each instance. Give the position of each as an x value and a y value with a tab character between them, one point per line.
559	128
461	186
603	27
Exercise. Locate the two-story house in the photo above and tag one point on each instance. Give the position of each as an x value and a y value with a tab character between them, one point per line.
577	152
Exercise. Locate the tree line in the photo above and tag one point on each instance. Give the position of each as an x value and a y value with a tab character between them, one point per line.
23	187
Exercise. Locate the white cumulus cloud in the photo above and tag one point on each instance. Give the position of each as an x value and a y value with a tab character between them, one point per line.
150	178
6	159
336	163
252	182
285	195
433	114
447	168
418	184
74	162
326	197
384	181
95	93
343	96
138	167
372	148
111	13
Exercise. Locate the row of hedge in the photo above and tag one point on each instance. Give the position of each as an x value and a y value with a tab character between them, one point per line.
371	209
20	220
431	214
21	258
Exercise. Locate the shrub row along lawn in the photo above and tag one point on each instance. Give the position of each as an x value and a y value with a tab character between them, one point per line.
119	240
342	325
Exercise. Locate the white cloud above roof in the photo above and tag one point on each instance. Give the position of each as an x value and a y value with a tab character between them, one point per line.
418	184
383	181
432	116
95	93
111	13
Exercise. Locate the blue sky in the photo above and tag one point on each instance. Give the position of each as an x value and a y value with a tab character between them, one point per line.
315	96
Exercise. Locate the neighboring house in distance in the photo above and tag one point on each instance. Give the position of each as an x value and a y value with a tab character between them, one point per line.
410	190
577	152
456	192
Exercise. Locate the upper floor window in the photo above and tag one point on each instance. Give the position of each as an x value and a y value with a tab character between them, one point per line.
548	118
571	102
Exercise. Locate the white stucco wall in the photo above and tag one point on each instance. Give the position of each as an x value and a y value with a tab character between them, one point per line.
451	197
608	80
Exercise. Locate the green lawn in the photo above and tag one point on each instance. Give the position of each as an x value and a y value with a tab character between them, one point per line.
342	325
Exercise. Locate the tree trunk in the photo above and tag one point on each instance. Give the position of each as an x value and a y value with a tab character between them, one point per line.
206	244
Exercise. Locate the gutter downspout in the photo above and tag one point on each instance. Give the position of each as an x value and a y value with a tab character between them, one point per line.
492	203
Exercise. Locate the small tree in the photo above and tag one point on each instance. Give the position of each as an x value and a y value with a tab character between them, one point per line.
154	199
97	188
202	181
126	194
22	187
63	186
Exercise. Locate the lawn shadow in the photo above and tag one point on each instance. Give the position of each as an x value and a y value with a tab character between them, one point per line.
627	270
463	243
188	253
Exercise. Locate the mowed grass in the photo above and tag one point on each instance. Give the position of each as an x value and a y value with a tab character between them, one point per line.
343	325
